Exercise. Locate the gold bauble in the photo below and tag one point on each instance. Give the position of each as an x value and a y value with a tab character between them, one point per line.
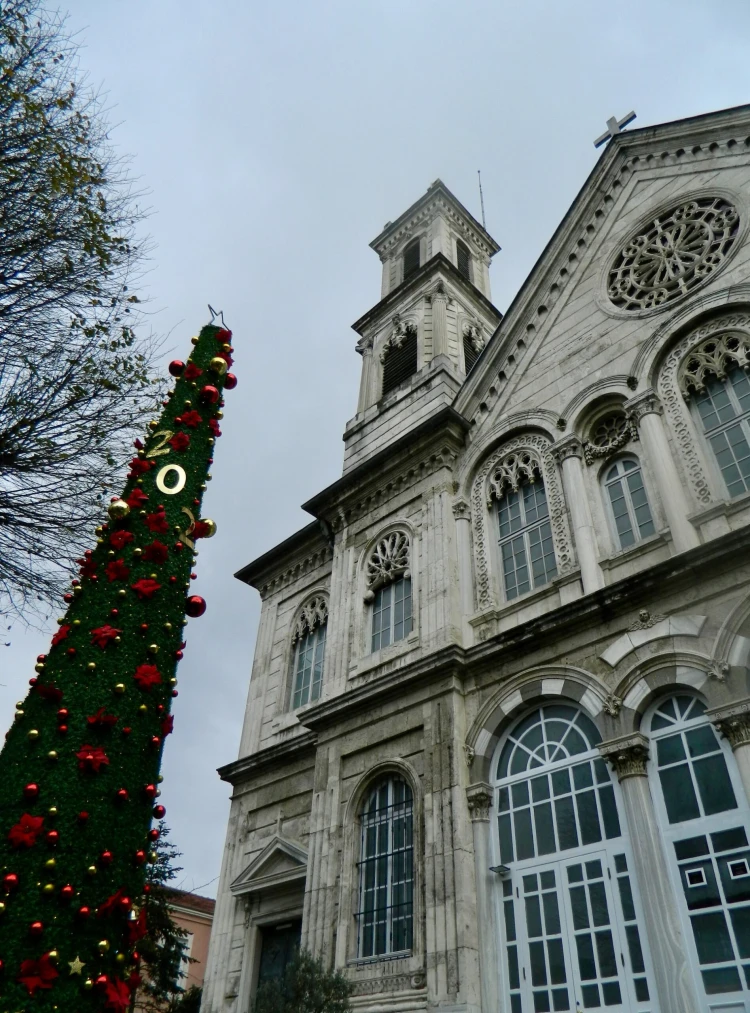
92	870
220	415
194	341
33	734
52	811
88	984
39	667
153	424
153	648
160	778
78	589
103	945
50	863
226	347
53	955
121	958
99	530
209	476
142	709
218	365
188	404
2	907
76	622
91	666
19	713
153	576
48	888
52	754
118	509
137	552
167	626
210	441
120	687
153	857
118	640
122	593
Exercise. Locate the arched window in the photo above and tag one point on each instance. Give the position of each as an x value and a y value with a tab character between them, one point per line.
570	914
706	835
463	259
724	409
473	344
630	513
309	651
527	552
399	355
389	589
411	258
385	919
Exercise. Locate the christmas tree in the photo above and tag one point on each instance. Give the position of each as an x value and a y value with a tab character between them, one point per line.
79	772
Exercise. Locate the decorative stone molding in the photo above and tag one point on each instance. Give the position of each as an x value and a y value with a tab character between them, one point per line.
389	983
646	403
718	670
568	446
472	332
609	434
627	755
645	621
612	705
733	721
388	561
670	391
313	613
398	336
532	453
469	754
364	344
479	798
461	510
673	254
714	356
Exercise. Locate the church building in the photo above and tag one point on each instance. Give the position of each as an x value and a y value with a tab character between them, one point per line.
496	754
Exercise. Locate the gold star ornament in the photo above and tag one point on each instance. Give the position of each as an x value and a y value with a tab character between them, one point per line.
76	966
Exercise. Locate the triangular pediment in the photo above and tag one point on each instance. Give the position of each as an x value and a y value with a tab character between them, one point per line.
282	862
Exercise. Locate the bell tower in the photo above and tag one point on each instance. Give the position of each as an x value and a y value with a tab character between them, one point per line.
433	319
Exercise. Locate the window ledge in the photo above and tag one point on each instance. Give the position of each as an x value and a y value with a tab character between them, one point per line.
384	655
286	720
380	958
538	594
642	548
721	508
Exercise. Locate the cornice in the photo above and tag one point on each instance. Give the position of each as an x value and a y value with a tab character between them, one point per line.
271	756
301	553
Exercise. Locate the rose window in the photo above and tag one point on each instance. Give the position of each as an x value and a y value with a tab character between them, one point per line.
673	254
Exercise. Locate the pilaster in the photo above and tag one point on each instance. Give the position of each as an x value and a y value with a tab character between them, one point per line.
568	453
479	799
733	722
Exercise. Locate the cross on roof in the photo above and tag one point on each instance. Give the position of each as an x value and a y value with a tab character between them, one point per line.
614	126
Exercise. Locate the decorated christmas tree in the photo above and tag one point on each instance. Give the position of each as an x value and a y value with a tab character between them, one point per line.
79	772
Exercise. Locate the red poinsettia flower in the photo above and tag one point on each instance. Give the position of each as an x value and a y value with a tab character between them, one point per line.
37	974
213	425
88	568
201	529
48	692
117	570
180	441
26	831
157	523
62	634
192	418
138	466
111	904
145	588
102	720
155	552
92	758
192	372
116	996
147	676
167	725
227	357
104	635
137	929
224	335
119	539
136	499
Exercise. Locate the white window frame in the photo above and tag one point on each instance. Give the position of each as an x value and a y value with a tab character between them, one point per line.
523	532
606	484
317	634
741	419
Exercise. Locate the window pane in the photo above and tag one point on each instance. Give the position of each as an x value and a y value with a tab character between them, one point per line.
714	785
679	794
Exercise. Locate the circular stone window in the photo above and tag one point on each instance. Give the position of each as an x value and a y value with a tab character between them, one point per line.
673	254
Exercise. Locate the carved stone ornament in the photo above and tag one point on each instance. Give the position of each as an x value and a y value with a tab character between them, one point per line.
479	799
472	333
612	705
469	754
388	983
313	613
671	394
401	331
646	403
461	510
627	755
608	435
718	670
388	561
733	721
532	456
645	621
713	357
673	254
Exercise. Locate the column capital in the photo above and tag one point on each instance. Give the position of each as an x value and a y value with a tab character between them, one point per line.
568	446
479	798
733	721
438	293
627	754
461	510
647	403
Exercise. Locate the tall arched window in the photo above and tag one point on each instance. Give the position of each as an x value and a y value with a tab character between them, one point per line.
411	258
724	409
389	589
463	259
629	510
570	914
527	552
385	919
706	835
309	651
399	355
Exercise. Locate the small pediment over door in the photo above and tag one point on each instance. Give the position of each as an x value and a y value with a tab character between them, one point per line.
281	863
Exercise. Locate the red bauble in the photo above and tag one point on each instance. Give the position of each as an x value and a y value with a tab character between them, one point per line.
209	394
31	791
147	888
71	652
63	714
159	812
179	655
102	981
41	657
144	627
176	367
126	731
230	381
10	881
53	838
122	795
83	817
155	834
150	791
125	904
155	741
36	928
175	693
67	598
62	729
114	612
67	892
84	912
106	858
195	606
140	857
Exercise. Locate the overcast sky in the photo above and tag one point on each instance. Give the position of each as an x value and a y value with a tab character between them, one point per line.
275	140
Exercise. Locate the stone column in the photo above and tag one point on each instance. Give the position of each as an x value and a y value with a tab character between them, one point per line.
439	321
672	977
646	410
479	797
733	721
568	453
364	347
462	513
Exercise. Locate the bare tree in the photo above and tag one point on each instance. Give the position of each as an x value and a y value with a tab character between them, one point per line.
75	379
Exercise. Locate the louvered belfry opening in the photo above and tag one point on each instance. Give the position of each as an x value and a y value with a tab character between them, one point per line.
463	259
400	363
470	353
411	258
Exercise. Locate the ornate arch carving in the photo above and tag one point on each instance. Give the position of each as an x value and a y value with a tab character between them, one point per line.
401	331
313	613
389	559
676	378
524	457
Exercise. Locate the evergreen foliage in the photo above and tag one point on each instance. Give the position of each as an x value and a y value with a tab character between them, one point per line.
305	987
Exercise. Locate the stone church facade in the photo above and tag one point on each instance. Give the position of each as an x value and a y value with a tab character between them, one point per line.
496	754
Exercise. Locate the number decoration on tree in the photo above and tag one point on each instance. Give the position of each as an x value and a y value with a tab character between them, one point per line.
79	771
